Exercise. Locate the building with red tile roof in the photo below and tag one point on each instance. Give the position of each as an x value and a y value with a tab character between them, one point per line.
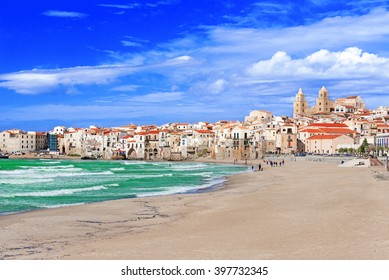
327	144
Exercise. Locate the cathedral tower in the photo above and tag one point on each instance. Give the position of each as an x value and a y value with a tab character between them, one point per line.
323	104
300	105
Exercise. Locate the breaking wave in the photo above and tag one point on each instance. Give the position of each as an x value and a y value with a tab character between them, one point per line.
187	167
57	192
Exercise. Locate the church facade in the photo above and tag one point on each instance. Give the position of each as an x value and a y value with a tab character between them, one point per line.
325	106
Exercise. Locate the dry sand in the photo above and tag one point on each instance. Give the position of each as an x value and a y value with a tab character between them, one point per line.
303	210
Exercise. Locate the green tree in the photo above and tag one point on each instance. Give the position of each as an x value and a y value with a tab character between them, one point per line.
342	150
364	147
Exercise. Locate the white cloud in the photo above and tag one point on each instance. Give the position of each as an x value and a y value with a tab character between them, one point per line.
126	88
138	5
119	6
217	86
330	33
55	13
131	44
131	41
161	2
176	61
73	91
323	64
158	97
37	81
263	66
183	58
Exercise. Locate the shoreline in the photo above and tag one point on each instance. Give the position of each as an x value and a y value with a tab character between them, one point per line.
214	185
256	215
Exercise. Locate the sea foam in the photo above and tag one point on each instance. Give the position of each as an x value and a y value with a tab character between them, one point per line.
184	189
188	167
58	192
60	205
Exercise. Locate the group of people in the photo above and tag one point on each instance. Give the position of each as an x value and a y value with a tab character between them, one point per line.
275	163
267	162
259	167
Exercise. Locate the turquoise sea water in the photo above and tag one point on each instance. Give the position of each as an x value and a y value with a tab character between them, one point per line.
35	184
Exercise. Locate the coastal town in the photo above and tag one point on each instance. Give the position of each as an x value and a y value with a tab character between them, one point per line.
342	126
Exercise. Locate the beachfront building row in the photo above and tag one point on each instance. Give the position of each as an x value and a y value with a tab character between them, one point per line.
19	141
324	128
261	133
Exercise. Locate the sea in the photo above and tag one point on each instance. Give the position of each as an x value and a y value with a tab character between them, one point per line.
31	184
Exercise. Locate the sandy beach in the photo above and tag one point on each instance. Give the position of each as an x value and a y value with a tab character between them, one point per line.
303	210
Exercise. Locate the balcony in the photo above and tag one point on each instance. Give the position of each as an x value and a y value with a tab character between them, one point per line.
164	145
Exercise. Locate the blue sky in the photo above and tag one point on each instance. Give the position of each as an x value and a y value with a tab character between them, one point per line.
108	63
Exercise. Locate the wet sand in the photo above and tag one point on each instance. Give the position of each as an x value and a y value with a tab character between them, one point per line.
303	210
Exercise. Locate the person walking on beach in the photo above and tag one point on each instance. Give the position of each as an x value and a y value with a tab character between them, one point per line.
259	167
